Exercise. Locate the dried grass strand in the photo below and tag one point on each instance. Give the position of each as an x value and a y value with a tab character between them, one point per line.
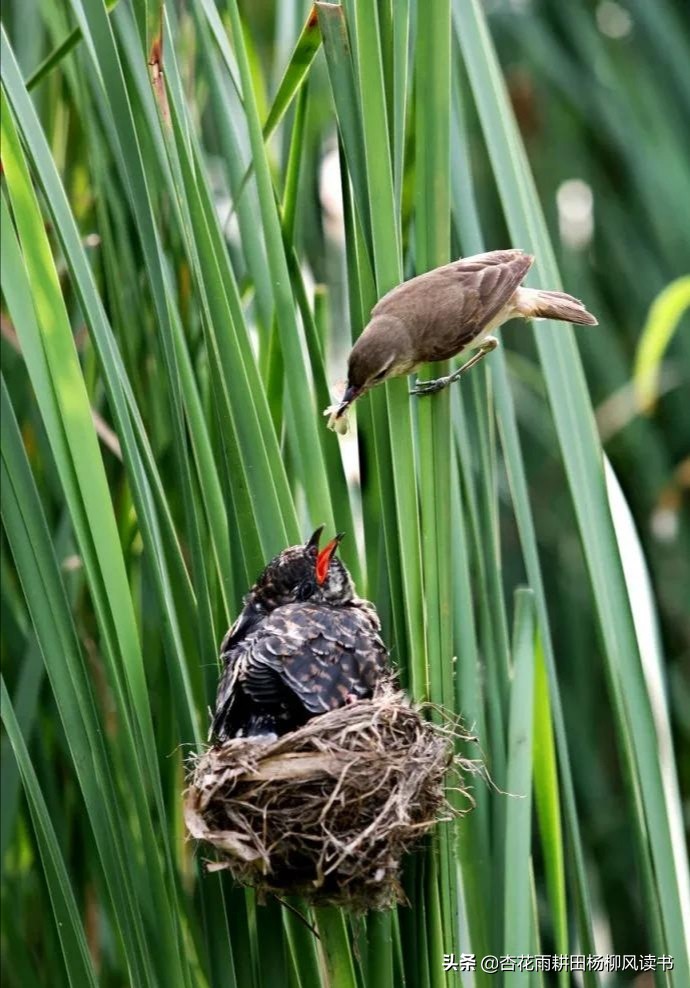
329	810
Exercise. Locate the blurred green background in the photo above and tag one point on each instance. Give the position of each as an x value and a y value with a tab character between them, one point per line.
171	331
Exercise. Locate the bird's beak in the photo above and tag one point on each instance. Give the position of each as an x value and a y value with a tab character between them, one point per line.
313	541
351	393
323	560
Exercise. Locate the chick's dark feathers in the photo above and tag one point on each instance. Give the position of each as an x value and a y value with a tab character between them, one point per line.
303	644
302	660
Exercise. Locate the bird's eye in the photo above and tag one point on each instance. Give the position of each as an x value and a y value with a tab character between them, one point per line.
305	590
381	374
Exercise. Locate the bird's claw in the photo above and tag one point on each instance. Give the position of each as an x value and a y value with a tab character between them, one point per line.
429	387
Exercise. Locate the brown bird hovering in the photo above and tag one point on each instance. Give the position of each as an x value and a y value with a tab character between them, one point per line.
304	644
442	313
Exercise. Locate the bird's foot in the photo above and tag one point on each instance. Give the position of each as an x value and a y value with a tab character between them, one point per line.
350	699
431	387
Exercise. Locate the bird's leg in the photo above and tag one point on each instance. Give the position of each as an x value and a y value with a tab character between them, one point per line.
431	387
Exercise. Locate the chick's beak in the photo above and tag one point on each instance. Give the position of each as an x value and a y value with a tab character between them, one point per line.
323	560
313	541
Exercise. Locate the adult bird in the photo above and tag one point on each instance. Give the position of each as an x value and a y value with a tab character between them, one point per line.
442	313
303	644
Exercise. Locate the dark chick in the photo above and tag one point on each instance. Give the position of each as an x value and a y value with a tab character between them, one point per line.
304	644
442	313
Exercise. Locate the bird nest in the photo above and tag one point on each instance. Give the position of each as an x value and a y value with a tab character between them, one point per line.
328	810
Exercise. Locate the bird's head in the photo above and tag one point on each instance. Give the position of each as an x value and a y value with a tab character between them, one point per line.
381	352
298	573
308	572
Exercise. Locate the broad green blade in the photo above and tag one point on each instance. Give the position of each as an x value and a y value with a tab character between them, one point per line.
517	912
663	320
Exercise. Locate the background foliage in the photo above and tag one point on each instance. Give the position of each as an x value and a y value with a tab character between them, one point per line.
186	257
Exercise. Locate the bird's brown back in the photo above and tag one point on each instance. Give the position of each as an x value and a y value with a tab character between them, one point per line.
445	309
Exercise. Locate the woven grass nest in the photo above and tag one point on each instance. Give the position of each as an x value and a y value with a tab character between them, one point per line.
328	811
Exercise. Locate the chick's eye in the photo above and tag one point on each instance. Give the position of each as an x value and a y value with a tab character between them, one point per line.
381	374
305	590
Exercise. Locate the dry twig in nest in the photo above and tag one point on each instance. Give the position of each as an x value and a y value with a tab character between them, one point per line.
328	810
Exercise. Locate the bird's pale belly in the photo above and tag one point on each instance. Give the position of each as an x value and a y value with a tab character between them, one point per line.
503	315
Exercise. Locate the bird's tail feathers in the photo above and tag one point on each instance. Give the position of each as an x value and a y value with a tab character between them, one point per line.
534	304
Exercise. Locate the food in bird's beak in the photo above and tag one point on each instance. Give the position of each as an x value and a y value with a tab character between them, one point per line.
338	417
338	411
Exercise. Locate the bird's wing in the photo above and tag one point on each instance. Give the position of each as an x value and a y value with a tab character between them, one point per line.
452	304
314	654
227	691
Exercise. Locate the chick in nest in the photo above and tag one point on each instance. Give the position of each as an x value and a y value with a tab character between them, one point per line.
304	644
